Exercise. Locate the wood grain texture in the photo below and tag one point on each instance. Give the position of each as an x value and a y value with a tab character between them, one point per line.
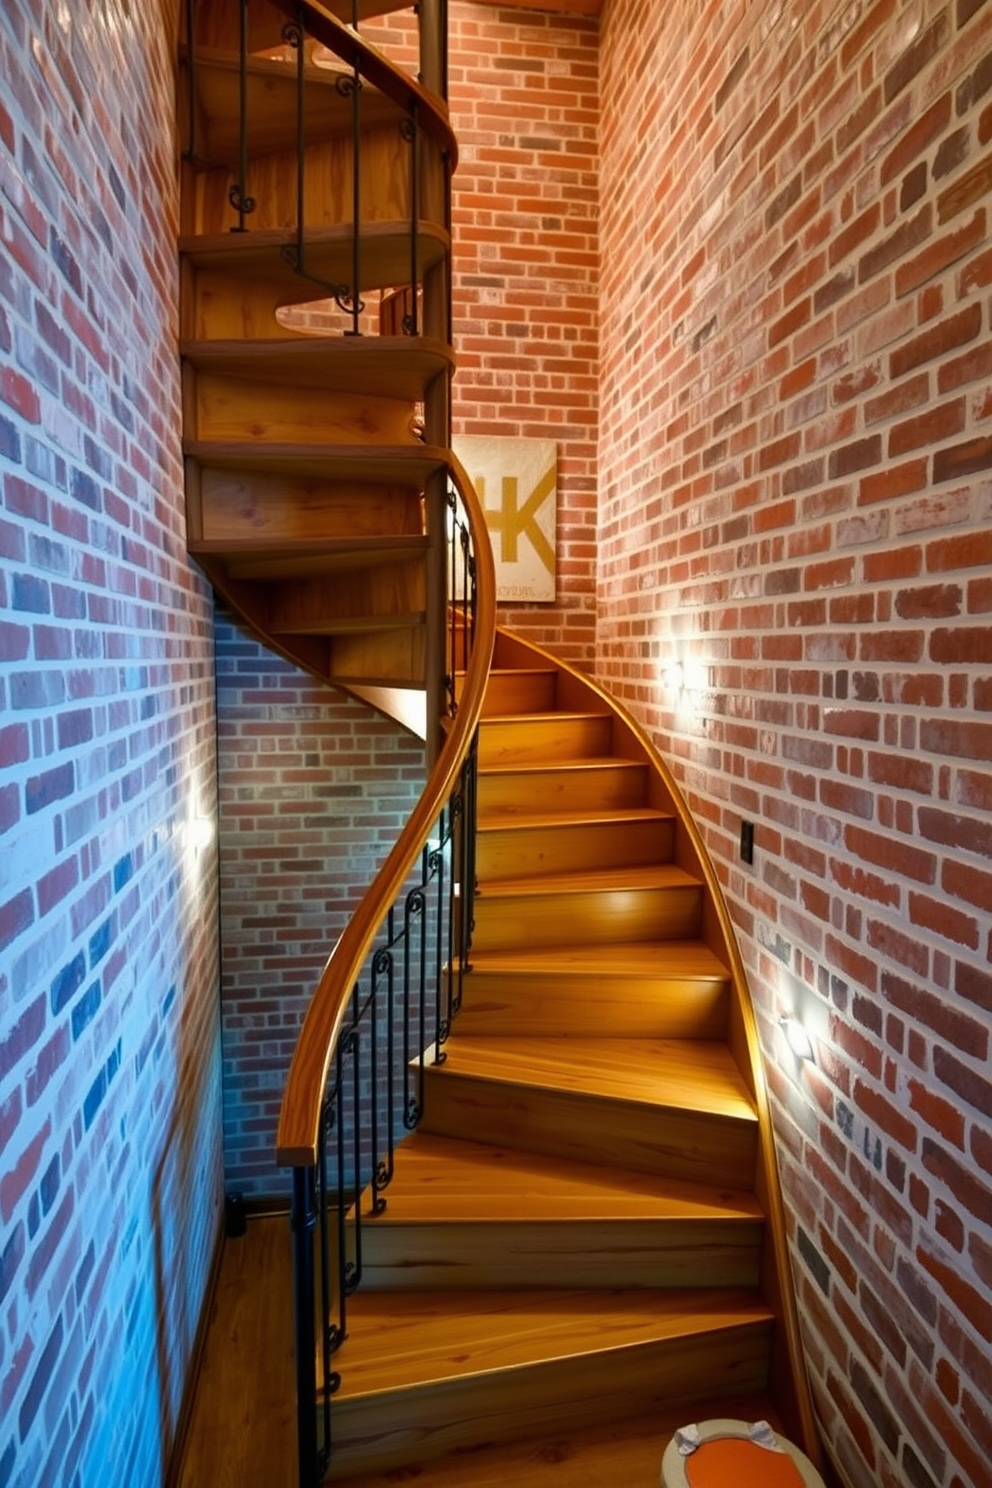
543	737
561	785
494	1369
666	989
693	1123
518	690
606	1456
243	1426
522	846
271	88
460	1214
656	902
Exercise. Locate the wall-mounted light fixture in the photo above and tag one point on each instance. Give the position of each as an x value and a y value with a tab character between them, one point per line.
201	832
796	1037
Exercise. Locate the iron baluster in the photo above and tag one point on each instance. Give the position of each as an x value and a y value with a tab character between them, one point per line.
452	658
238	196
409	129
293	35
425	863
391	1047
313	1455
339	1332
413	915
350	300
353	1046
437	865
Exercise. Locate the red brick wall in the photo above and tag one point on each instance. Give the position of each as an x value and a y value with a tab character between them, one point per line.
524	103
110	1151
524	99
314	790
796	482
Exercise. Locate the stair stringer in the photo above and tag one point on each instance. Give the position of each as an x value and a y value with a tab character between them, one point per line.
576	691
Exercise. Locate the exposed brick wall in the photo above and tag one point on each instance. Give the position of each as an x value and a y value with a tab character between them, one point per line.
524	91
796	478
110	1120
524	98
314	789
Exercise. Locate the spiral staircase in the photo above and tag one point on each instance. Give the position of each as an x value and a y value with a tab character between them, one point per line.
582	1244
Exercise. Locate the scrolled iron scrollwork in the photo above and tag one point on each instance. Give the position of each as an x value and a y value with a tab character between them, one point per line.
346	301
416	902
292	34
334	1336
242	204
411	1116
382	961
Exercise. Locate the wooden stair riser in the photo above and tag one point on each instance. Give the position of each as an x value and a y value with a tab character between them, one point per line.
614	1453
577	1253
521	851
425	1423
392	658
600	786
505	1003
545	737
271	106
236	409
235	285
515	692
602	1385
688	1145
271	183
264	510
565	918
392	593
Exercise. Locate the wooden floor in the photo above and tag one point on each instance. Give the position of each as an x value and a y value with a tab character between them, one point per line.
242	1429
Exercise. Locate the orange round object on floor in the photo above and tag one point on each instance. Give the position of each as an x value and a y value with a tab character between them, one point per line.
730	1462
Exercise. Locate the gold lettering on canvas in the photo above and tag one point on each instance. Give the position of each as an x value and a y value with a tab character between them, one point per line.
517	482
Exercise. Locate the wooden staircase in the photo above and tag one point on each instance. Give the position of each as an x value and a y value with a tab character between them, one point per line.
577	1245
583	1242
316	454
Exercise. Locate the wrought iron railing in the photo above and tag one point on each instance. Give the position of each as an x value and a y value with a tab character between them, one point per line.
384	1007
422	124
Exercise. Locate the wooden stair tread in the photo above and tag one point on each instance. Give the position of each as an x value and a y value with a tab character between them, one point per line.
686	959
603	1456
392	366
640	876
590	763
681	1074
558	714
257	558
445	1179
347	624
522	821
373	463
401	1341
385	255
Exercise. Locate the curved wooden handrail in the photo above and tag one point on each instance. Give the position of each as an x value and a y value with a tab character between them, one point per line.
345	42
745	1045
299	1121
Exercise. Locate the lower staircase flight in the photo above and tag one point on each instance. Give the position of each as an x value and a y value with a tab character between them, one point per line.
582	1246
